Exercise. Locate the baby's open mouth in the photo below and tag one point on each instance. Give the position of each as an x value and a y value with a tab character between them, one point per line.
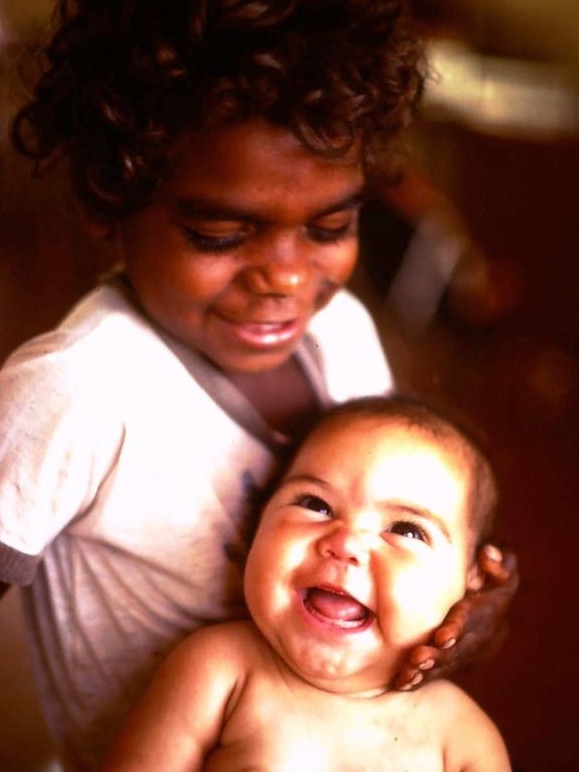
337	608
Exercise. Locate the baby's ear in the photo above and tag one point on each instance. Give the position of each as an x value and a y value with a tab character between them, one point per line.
474	578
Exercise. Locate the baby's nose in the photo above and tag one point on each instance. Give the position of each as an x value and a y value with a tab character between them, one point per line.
347	545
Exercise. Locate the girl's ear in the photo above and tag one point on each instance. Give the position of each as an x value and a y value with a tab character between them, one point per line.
96	226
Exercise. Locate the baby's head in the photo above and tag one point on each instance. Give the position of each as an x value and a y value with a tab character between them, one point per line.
126	81
368	541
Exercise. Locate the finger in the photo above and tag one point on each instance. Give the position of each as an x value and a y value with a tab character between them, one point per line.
499	567
490	560
454	625
447	636
408	678
423	657
432	664
420	660
510	566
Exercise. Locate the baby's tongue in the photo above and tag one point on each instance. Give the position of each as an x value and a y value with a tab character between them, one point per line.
335	606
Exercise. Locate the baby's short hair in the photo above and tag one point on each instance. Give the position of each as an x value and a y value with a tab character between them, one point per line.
126	80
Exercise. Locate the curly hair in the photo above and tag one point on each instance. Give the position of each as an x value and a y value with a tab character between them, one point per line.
125	80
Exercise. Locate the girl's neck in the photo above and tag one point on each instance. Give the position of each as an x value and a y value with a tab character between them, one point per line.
284	396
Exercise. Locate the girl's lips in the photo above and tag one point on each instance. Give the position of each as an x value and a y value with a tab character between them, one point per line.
265	334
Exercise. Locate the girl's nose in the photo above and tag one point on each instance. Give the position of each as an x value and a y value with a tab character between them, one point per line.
280	268
345	545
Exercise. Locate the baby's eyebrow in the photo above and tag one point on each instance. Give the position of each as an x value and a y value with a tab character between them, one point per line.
404	508
305	478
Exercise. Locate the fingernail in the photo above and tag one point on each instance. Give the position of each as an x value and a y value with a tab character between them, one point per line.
493	553
414	681
427	664
448	644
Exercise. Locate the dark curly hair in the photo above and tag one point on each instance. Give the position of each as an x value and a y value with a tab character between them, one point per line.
126	79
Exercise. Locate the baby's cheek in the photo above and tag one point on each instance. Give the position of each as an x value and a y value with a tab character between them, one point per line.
418	602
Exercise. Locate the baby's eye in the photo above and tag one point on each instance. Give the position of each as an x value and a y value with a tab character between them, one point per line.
408	530
315	503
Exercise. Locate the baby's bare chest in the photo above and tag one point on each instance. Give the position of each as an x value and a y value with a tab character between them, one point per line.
285	733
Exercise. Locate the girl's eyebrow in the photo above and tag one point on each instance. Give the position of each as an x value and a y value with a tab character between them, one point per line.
348	203
205	209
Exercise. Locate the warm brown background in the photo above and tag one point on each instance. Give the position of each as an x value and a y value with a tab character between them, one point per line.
517	372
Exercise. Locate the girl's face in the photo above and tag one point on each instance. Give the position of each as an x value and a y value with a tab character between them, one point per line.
361	552
249	238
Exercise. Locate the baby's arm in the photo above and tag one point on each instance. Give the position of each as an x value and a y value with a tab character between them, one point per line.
180	717
472	629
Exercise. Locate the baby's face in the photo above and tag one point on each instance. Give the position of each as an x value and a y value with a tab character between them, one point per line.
360	552
245	242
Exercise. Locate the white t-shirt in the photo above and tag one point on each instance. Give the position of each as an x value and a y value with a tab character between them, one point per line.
124	495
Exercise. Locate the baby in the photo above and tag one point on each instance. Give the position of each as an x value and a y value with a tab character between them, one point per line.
367	541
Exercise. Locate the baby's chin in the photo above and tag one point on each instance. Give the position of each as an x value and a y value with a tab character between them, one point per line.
355	689
342	680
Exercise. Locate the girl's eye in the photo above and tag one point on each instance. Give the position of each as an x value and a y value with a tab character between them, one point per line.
408	530
213	244
331	235
314	503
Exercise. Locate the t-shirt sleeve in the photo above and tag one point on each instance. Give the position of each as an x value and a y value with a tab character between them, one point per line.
350	350
55	449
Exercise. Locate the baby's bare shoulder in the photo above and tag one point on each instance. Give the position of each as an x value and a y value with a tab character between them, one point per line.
230	642
443	703
471	739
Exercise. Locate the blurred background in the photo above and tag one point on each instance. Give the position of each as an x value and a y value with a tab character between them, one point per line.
472	274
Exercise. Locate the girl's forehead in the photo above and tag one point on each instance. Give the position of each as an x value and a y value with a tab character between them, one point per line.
255	170
258	140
